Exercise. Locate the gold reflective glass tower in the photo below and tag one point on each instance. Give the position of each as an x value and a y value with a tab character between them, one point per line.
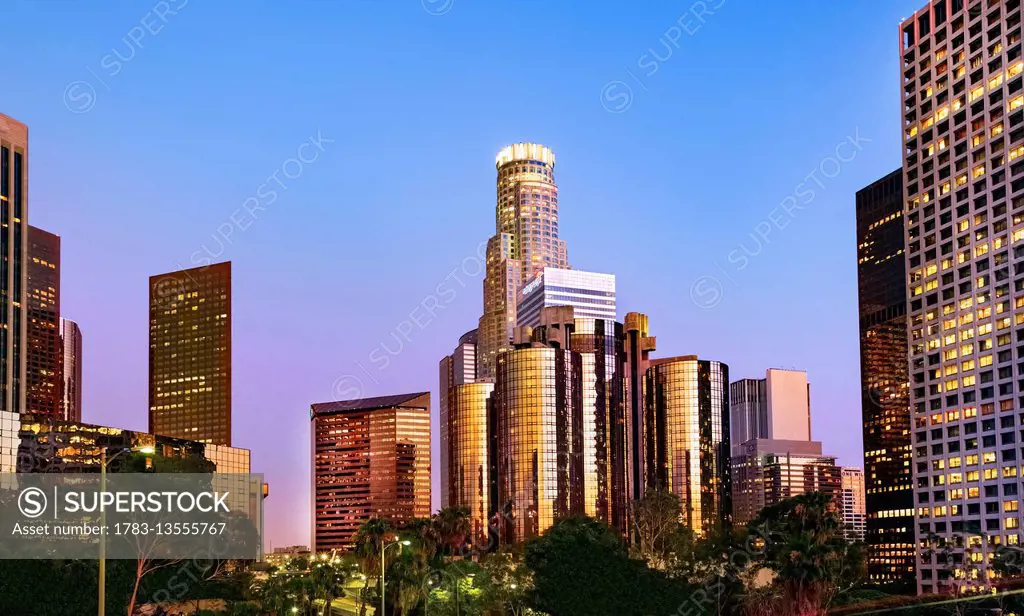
687	401
469	481
190	354
526	241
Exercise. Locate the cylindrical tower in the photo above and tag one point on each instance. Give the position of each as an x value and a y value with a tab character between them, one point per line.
538	410
687	400
525	241
469	474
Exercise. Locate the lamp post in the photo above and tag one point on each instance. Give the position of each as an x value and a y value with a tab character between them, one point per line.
383	548
104	461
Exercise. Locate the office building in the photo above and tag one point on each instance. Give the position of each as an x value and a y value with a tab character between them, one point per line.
600	345
537	414
71	342
13	278
776	407
525	242
44	372
458	368
590	294
963	177
687	401
768	471
882	299
371	458
638	346
190	354
852	501
469	476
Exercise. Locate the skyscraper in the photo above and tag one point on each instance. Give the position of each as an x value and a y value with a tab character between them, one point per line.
469	473
371	458
459	368
539	439
767	471
687	401
963	177
71	340
882	291
639	346
190	354
590	294
525	242
852	501
44	372
13	275
775	407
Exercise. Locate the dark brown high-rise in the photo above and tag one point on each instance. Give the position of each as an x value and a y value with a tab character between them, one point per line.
44	371
881	275
14	251
190	354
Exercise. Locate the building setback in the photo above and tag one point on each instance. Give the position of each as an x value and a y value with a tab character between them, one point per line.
963	177
590	294
525	242
13	277
371	458
44	372
885	404
190	354
776	407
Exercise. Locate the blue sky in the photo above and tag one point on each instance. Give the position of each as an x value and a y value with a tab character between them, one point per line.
680	133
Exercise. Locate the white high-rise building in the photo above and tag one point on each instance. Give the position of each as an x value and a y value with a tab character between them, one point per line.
777	407
963	176
852	503
591	295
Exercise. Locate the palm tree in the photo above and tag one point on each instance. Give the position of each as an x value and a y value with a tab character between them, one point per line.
452	527
367	550
327	581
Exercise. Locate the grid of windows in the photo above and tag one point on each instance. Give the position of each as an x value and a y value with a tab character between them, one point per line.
190	354
964	210
526	241
885	404
44	372
371	458
13	218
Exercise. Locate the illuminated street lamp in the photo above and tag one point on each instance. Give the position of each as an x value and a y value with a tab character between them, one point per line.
383	548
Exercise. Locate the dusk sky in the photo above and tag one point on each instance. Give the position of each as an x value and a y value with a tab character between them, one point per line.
674	161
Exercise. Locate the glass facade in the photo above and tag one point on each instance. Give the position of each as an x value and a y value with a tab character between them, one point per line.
190	354
538	415
882	294
767	471
469	470
13	254
590	294
638	346
44	372
458	368
601	345
963	184
525	242
688	404
371	458
71	340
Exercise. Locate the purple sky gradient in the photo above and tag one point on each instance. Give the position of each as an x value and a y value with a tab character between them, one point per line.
203	112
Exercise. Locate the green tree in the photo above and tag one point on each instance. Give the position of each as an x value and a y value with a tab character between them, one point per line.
655	524
327	581
367	551
452	528
804	545
580	566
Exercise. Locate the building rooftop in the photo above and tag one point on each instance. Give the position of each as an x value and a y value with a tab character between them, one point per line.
414	400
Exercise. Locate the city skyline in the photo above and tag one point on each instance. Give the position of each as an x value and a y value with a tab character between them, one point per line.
326	345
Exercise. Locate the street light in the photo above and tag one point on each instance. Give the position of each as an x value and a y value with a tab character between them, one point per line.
383	548
104	461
